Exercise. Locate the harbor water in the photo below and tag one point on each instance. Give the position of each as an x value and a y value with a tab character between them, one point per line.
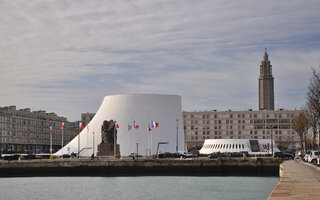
137	187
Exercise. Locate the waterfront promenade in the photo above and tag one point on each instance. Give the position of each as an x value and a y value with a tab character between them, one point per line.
298	181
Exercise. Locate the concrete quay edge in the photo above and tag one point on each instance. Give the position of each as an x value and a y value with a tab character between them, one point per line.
298	181
106	167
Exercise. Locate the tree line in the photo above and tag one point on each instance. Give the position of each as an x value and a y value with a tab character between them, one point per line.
309	117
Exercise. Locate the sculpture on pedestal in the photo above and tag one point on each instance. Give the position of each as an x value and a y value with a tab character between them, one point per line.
108	139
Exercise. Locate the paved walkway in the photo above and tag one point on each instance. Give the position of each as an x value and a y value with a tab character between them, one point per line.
298	181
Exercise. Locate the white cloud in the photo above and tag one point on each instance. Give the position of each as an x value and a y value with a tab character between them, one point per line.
64	56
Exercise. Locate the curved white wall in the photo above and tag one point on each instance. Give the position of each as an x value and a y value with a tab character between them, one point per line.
236	145
142	108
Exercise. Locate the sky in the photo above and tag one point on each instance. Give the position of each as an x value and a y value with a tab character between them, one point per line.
65	56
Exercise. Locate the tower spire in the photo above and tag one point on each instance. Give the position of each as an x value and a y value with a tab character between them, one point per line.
266	90
265	57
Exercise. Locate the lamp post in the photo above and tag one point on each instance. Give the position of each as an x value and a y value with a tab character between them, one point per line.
177	137
62	143
93	144
51	127
79	143
137	150
271	143
114	140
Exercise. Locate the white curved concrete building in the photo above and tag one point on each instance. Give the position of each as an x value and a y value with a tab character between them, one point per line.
141	108
253	146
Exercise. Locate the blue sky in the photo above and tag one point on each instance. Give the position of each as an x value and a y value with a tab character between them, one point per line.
65	56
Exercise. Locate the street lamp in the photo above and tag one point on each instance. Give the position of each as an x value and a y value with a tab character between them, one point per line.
177	136
271	142
137	150
93	144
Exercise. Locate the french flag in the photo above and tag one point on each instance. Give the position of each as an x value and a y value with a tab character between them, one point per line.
136	126
51	128
80	125
154	124
129	127
62	125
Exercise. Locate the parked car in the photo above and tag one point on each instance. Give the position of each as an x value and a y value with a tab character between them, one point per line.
244	153
214	155
196	152
14	156
74	155
134	155
185	155
313	156
165	155
66	156
284	155
236	154
189	155
228	154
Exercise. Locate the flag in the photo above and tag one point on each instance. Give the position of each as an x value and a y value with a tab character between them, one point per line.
149	129
129	127
155	124
152	124
51	128
80	125
136	126
62	125
116	125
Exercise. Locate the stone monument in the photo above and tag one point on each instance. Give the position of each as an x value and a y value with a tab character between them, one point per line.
108	139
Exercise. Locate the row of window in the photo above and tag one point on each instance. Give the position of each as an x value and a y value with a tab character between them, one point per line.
276	138
275	132
274	115
256	121
34	115
270	127
29	141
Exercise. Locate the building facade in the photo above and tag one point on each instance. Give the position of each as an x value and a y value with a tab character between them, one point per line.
249	124
23	131
266	89
86	118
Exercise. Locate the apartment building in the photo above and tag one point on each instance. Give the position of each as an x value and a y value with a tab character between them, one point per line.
248	124
26	131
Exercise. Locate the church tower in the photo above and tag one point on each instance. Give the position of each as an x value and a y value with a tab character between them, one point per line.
266	91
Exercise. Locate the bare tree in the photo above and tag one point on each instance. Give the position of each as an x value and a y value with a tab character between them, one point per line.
301	125
313	123
313	103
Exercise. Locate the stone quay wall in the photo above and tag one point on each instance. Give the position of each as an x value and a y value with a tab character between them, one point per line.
129	167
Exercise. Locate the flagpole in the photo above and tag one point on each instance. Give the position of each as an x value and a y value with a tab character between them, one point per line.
62	143
51	141
79	143
93	143
149	145
87	141
114	139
